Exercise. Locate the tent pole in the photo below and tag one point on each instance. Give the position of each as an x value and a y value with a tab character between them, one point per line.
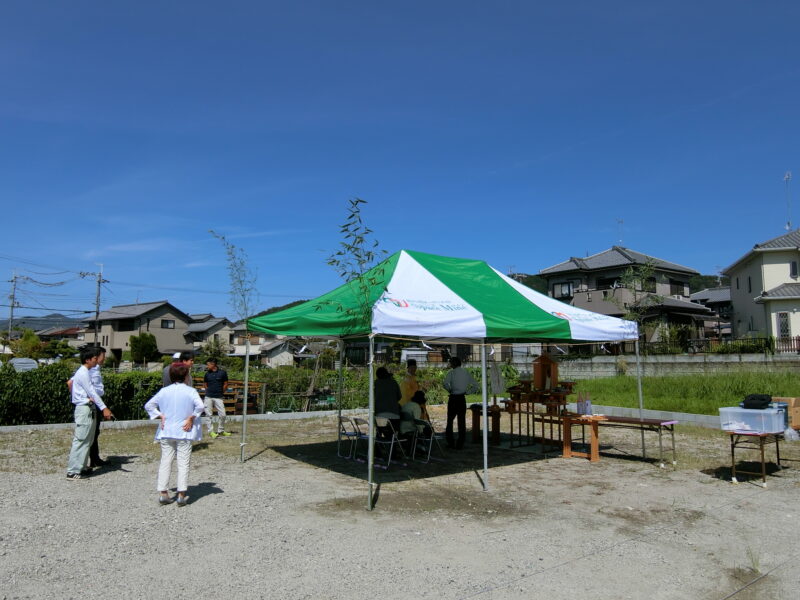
340	388
639	388
371	450
484	393
246	394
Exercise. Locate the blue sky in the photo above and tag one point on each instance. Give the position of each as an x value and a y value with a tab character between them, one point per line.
515	132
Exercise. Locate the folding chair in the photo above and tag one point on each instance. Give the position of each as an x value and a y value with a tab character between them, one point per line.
386	441
428	438
349	432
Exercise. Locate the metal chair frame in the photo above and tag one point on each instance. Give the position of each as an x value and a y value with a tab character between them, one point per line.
349	432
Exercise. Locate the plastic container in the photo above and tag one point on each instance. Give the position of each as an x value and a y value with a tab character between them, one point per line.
784	406
747	420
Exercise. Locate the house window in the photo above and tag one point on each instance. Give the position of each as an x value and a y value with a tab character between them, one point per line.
649	285
562	290
749	285
167	323
784	328
750	324
607	283
125	325
737	283
793	269
676	288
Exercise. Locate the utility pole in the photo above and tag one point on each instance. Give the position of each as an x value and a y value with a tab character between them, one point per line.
100	281
97	307
13	298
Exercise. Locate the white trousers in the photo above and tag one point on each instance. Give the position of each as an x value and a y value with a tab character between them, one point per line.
211	404
169	448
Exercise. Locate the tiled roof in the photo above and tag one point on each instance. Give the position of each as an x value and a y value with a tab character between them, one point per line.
129	311
711	295
785	290
205	325
787	240
616	256
684	304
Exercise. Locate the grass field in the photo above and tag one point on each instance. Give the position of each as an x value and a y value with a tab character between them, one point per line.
698	394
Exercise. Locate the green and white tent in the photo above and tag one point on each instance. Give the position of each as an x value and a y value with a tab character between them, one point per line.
424	296
414	295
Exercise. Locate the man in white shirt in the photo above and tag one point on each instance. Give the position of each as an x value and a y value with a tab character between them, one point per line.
87	401
458	382
97	382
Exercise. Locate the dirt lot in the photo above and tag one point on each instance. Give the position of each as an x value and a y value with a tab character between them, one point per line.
291	522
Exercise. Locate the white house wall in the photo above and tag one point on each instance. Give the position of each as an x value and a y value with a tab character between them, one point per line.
776	268
748	317
789	306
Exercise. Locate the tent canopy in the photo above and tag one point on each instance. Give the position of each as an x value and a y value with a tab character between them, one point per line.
424	296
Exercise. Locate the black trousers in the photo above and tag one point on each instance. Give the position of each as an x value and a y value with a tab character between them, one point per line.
456	409
94	449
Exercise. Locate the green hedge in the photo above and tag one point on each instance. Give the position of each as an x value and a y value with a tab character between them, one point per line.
41	395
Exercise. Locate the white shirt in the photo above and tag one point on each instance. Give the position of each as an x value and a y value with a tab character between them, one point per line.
177	402
97	379
83	392
459	381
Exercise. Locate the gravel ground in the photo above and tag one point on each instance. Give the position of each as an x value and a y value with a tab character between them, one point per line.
291	523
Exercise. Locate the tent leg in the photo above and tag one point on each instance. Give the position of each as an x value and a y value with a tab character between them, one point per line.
371	449
340	387
246	396
641	399
484	393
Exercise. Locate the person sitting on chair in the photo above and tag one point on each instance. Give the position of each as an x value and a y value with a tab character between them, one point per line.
387	400
411	410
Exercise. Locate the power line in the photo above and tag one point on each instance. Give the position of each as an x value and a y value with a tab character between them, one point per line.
47	308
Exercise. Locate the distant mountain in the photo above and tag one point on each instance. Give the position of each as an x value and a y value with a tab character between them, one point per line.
38	323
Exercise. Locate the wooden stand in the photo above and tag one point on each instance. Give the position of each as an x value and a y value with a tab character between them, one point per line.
569	420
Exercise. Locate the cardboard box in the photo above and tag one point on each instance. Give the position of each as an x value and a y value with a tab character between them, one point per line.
790	402
794	417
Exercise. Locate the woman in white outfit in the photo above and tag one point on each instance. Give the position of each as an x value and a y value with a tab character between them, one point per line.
179	407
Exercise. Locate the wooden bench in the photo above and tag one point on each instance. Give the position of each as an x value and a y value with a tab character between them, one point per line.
657	425
233	395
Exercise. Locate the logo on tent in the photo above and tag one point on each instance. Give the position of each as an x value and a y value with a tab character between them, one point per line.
397	303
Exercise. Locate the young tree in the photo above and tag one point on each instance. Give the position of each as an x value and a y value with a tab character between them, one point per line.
214	349
639	280
357	254
27	346
144	348
243	295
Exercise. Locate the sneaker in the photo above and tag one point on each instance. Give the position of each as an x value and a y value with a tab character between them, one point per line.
182	501
164	500
76	477
213	435
224	434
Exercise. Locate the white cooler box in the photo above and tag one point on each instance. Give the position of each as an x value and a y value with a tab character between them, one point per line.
748	420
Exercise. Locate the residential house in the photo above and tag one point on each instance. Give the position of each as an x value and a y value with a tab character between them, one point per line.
765	289
74	336
718	299
168	324
206	327
595	283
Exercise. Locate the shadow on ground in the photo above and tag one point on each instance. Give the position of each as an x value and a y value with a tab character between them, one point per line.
468	459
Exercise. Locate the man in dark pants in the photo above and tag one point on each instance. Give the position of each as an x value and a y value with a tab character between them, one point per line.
97	381
458	382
